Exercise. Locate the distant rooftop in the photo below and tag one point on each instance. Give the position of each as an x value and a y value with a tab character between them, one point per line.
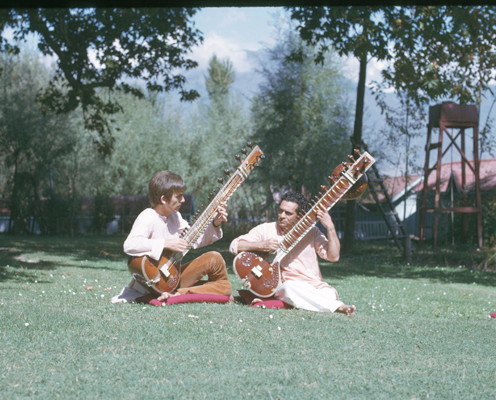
396	185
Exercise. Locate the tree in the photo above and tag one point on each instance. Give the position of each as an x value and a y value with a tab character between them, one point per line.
31	142
219	79
433	52
220	129
300	116
152	135
406	122
99	50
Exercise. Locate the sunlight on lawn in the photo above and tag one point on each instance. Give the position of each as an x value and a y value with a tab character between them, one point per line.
421	331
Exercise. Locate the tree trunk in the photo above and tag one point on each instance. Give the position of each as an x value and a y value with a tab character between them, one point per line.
356	140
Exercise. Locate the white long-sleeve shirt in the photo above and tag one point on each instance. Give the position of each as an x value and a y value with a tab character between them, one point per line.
150	229
146	238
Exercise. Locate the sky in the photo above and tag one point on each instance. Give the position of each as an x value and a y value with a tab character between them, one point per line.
233	31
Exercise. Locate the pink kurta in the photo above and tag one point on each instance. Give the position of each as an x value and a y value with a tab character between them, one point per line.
302	286
301	263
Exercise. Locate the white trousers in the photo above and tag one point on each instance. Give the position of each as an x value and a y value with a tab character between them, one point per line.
305	296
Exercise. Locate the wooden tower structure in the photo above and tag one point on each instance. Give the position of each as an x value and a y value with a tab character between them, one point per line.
451	121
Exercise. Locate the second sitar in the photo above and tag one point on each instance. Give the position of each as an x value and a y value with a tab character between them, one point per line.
261	274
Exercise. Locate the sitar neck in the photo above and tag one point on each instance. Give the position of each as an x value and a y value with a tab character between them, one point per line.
207	216
201	223
309	220
325	202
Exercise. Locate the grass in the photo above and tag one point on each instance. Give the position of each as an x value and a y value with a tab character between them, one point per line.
422	331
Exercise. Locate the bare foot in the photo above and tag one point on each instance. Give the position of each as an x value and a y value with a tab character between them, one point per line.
164	296
255	301
347	310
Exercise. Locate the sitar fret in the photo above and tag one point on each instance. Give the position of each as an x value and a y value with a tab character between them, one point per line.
206	217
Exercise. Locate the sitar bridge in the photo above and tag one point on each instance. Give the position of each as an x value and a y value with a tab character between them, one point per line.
349	177
165	270
257	271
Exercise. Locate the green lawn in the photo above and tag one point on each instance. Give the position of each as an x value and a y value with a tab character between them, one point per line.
422	331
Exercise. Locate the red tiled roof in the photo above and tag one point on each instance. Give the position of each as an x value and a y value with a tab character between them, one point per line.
487	172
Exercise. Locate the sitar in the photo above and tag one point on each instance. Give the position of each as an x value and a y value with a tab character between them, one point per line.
261	274
163	275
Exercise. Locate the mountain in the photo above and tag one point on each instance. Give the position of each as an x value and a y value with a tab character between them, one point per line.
375	128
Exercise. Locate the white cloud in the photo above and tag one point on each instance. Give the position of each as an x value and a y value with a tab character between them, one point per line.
374	69
222	48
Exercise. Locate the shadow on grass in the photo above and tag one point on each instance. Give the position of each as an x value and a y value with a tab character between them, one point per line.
383	260
25	254
21	256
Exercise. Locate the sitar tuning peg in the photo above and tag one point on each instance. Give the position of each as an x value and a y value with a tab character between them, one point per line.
220	180
244	151
357	153
237	157
324	187
227	171
351	158
250	145
261	156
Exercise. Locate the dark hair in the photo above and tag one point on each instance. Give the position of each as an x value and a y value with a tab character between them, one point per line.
164	183
297	198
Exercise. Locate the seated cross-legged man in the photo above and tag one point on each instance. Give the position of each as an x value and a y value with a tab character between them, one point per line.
302	285
159	228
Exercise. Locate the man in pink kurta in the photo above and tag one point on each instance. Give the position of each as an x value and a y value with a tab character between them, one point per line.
302	284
